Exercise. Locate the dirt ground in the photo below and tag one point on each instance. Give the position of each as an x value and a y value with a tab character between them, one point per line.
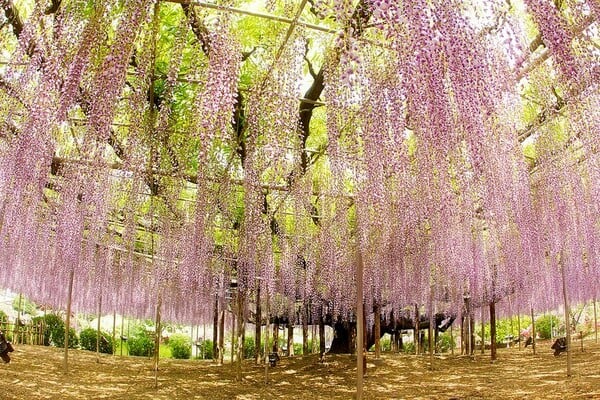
37	373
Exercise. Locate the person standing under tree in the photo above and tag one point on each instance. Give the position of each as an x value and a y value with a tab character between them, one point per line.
5	348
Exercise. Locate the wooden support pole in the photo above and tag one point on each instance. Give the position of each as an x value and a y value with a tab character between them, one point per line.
290	338
233	315
451	340
532	331
359	326
321	334
241	326
17	329
122	341
377	331
221	346
561	264
157	331
257	328
417	338
267	338
215	343
68	320
493	330
519	329
595	322
114	332
305	317
98	329
482	329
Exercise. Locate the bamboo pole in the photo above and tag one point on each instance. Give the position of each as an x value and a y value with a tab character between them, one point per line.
561	263
98	329
519	329
451	340
17	329
532	331
417	336
68	320
493	330
321	334
257	330
359	326
482	329
158	331
290	338
114	331
266	355
595	323
233	332
122	341
377	331
240	332
215	343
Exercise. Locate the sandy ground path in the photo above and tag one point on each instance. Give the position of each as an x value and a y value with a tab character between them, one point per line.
37	373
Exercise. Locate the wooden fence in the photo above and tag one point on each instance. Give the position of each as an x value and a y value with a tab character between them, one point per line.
23	334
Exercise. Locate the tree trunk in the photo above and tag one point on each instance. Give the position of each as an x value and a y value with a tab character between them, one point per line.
493	330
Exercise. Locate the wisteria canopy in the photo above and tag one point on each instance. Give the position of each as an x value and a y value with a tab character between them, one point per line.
159	150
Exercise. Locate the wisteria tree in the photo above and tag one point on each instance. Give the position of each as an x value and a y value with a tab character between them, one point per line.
170	157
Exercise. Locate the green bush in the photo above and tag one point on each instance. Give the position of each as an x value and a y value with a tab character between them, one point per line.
27	306
544	325
249	347
205	348
3	316
54	331
141	344
181	346
88	337
445	342
408	347
298	347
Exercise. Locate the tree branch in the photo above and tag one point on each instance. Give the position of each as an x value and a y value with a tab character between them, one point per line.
13	17
198	27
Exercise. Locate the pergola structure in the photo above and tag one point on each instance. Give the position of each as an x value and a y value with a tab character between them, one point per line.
153	152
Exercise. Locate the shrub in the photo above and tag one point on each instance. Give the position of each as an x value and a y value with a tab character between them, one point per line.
141	344
54	331
249	347
408	347
88	337
3	316
445	342
181	346
205	348
544	326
